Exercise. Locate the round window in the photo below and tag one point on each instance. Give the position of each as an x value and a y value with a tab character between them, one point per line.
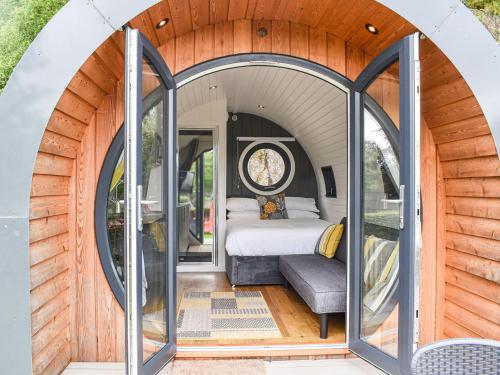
109	206
266	167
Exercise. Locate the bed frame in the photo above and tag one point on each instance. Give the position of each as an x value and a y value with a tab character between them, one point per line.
259	270
253	270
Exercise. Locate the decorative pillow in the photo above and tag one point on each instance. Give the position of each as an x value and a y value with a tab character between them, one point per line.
381	270
272	207
379	257
329	240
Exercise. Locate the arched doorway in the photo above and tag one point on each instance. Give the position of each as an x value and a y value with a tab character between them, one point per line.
391	289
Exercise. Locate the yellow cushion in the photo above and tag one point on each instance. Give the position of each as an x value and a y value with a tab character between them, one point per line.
332	239
390	263
323	241
368	244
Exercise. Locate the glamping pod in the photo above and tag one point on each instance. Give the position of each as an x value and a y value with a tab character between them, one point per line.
249	179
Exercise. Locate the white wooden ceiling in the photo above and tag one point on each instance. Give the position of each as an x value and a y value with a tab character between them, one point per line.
312	110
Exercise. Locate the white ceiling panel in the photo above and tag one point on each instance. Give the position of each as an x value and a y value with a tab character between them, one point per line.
312	110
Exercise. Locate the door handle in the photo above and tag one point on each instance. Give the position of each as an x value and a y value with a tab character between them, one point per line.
139	208
121	202
401	202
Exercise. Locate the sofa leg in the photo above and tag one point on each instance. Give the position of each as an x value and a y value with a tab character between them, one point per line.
285	284
323	326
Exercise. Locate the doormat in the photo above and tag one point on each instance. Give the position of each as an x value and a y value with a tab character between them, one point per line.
225	315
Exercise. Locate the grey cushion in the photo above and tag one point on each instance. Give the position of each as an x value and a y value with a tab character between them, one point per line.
341	253
321	282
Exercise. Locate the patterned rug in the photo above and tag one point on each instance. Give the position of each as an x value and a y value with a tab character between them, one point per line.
225	315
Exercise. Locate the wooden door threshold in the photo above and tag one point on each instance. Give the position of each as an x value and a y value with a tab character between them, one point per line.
265	352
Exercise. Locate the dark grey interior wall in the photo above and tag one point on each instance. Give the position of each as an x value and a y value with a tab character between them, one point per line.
247	125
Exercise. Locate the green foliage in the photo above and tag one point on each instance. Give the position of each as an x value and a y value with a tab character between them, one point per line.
488	6
372	168
20	22
208	174
488	12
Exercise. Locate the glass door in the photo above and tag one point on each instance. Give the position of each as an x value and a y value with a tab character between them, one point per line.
150	207
197	191
385	207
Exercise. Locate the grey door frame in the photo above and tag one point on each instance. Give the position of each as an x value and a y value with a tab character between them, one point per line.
406	52
390	55
139	47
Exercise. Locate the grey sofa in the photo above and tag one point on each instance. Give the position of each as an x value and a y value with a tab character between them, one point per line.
321	282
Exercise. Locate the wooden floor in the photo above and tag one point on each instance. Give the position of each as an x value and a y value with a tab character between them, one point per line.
297	323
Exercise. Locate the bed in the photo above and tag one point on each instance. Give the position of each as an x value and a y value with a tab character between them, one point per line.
253	246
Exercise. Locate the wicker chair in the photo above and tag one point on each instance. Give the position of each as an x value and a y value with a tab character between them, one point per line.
458	356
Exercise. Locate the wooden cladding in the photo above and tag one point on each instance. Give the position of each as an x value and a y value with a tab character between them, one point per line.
49	260
74	313
63	273
282	37
467	244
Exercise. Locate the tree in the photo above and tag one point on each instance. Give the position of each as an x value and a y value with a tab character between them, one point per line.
488	12
489	6
20	23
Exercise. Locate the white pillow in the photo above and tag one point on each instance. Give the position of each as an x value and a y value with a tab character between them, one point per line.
299	214
300	203
243	215
242	204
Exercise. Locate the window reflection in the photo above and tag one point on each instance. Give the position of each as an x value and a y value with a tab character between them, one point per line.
154	225
381	194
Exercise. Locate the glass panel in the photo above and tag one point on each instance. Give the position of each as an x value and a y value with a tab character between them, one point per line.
196	211
116	218
266	167
154	213
385	91
208	200
381	181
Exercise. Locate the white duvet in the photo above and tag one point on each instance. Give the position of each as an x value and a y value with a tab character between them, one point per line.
255	237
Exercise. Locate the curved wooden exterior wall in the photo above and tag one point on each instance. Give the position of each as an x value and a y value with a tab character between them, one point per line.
74	313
